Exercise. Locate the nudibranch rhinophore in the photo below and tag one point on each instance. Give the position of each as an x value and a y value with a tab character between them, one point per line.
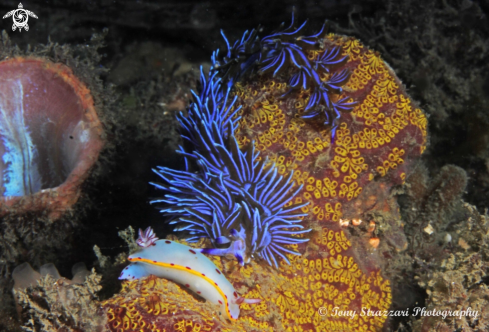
186	266
50	136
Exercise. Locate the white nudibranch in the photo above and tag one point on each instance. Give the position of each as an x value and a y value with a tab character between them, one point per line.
186	266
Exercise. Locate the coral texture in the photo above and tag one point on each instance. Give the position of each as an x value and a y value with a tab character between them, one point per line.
380	137
431	44
288	134
326	276
280	99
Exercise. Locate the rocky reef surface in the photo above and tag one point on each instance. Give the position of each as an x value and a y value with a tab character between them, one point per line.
426	231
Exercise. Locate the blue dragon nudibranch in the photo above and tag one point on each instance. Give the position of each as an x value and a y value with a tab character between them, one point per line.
228	195
184	265
288	49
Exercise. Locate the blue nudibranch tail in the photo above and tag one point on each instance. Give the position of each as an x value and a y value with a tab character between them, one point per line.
231	196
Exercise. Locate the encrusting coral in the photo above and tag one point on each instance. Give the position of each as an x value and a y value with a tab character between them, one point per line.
439	48
325	277
301	121
380	137
289	138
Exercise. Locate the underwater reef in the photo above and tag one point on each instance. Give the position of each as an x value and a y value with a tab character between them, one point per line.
448	251
299	166
62	127
289	139
49	302
54	114
53	106
56	306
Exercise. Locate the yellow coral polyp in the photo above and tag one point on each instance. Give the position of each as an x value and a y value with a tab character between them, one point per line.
346	165
370	140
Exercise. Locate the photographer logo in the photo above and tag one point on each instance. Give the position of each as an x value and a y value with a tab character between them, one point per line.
20	17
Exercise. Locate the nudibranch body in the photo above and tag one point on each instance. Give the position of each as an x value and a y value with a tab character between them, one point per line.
186	266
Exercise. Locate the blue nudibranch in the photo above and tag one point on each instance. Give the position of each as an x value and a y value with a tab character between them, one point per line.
186	266
227	194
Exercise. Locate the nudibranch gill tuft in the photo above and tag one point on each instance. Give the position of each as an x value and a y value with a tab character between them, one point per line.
183	265
146	238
